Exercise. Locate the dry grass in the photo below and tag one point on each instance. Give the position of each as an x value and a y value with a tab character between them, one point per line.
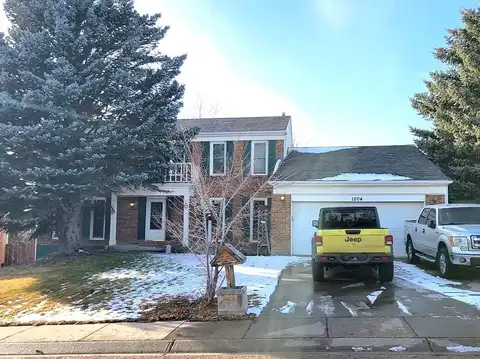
39	287
181	308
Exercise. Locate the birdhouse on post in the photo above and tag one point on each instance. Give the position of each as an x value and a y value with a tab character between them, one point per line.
232	300
228	256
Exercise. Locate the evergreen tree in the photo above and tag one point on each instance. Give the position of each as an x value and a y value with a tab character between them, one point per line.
88	105
452	105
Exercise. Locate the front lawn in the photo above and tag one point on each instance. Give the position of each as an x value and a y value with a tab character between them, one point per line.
119	286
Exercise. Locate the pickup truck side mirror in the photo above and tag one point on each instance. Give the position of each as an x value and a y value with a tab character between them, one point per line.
431	224
315	223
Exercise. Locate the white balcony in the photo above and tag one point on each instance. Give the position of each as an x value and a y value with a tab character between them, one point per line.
180	173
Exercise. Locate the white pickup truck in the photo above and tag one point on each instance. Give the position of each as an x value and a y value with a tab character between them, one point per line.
448	235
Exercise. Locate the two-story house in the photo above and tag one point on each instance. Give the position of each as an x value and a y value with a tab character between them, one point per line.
398	180
254	146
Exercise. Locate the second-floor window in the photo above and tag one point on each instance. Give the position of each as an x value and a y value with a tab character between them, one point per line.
259	158
218	158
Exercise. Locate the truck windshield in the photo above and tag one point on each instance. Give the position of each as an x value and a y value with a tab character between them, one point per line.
344	218
460	215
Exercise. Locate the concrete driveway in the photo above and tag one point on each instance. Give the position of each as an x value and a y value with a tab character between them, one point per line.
354	309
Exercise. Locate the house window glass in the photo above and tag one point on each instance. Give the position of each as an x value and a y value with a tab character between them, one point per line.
218	158
98	219
156	215
259	158
258	218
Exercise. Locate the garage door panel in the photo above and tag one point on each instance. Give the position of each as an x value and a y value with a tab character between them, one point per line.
392	216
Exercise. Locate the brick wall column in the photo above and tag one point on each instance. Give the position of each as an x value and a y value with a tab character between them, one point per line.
434	199
281	224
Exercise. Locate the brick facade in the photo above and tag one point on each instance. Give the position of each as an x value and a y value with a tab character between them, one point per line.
281	224
434	199
280	148
127	218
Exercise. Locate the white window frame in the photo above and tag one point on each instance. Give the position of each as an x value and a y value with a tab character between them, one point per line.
265	201
90	234
223	207
252	159
224	143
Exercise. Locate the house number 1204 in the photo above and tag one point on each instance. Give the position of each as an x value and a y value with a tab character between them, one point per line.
357	199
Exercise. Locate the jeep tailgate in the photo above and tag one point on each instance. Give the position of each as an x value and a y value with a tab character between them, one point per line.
353	241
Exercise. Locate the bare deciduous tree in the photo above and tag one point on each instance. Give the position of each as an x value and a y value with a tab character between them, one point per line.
228	201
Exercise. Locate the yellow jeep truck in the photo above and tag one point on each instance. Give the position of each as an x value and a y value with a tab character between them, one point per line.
351	237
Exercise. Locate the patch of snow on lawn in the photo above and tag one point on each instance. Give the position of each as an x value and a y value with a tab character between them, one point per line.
397	349
463	349
320	150
155	275
365	177
418	278
361	349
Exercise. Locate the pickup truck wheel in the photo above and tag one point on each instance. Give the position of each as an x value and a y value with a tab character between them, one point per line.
385	272
318	271
411	255
444	264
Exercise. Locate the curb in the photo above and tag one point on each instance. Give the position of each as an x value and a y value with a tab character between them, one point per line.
231	346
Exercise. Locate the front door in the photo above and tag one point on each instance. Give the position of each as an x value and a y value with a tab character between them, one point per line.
155	219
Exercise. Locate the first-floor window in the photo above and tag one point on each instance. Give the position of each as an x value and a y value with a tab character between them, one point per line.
258	218
97	219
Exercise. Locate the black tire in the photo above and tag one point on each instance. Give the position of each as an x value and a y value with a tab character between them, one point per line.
318	271
411	254
447	269
385	272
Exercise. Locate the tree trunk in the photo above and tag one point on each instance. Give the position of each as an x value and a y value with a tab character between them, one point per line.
69	228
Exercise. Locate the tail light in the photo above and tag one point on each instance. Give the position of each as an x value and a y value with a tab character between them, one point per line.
318	240
389	240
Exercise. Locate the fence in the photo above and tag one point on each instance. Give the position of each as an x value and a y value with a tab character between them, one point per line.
20	253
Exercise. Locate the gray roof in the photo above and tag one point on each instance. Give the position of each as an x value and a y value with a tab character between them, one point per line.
402	160
236	124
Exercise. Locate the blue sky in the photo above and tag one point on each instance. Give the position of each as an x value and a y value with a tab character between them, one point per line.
343	69
350	66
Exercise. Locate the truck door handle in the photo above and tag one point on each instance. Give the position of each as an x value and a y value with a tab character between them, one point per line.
415	229
423	231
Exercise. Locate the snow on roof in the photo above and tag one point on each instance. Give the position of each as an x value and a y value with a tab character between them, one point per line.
365	177
319	150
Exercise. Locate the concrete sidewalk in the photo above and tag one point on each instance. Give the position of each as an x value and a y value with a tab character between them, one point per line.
262	335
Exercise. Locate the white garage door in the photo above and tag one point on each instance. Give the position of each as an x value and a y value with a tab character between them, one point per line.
392	216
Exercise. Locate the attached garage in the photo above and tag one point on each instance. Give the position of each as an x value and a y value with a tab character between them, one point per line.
392	216
398	180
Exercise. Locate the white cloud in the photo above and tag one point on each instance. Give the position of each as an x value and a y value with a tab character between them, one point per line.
208	75
340	14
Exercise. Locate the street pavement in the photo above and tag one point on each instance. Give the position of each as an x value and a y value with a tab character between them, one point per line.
351	313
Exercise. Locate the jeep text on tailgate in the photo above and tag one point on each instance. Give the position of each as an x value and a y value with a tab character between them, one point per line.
351	236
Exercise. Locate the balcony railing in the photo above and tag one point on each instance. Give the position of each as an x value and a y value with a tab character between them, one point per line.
180	173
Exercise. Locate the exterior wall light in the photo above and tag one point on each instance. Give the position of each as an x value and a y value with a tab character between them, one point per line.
282	198
132	204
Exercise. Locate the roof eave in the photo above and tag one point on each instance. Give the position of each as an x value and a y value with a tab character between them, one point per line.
343	183
266	133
